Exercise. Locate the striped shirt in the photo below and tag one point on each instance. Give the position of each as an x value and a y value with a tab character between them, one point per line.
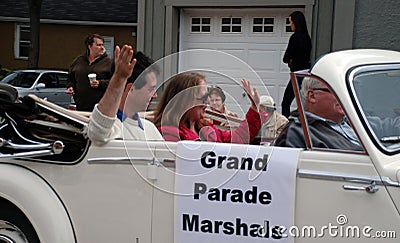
343	128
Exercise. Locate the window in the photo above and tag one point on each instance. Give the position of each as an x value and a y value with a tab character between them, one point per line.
201	25
49	80
109	46
382	113
62	80
287	26
54	80
22	41
21	79
231	25
263	25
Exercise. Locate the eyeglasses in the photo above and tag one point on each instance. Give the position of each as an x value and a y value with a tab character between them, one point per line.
216	100
204	98
322	89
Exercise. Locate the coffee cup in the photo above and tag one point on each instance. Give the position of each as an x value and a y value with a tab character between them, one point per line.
92	77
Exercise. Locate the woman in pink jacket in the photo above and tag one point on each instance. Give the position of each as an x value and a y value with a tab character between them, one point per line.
181	110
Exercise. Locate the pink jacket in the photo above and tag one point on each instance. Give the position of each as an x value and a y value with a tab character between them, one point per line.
243	134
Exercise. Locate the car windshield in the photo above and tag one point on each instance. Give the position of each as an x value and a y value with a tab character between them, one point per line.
377	91
21	79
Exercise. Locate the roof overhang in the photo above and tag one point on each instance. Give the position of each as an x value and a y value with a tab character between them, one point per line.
68	22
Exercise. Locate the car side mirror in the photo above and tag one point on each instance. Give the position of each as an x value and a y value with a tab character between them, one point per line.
40	86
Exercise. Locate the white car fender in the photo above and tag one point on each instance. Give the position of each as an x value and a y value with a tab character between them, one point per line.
38	201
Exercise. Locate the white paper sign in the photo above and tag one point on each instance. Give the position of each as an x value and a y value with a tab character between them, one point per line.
233	193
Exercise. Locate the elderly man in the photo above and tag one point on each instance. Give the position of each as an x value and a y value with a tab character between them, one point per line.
275	122
326	121
104	125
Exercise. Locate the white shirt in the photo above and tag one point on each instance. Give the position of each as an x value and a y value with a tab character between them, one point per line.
103	129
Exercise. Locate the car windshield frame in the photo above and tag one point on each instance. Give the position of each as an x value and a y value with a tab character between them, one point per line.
375	103
21	79
307	134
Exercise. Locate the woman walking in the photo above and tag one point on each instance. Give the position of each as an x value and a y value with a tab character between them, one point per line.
297	55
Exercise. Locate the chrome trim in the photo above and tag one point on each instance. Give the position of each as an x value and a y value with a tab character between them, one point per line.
41	149
56	150
370	188
13	123
105	160
388	182
128	160
57	147
9	144
5	239
9	233
345	177
27	154
301	173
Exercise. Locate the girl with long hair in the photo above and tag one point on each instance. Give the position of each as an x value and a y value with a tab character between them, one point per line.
181	110
297	55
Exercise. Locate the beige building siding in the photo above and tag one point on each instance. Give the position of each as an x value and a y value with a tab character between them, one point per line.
59	44
7	46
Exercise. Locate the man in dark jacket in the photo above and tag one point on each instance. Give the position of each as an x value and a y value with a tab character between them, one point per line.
327	123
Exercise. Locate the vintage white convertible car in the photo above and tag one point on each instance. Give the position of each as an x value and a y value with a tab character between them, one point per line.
57	186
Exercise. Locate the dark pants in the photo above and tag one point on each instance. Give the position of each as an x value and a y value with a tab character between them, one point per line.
288	97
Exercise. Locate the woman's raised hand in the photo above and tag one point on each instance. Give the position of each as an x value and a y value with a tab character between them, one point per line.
251	93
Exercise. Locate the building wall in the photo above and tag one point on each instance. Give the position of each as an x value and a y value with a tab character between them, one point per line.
158	23
335	24
7	45
59	44
377	24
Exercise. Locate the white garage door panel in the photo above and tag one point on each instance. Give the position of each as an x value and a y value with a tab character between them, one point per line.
263	60
216	61
232	50
263	52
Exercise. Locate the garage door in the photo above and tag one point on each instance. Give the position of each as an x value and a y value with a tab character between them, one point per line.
258	37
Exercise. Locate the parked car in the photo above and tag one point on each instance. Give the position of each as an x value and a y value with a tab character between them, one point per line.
57	186
46	84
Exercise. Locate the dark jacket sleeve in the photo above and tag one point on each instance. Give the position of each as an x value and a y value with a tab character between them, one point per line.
289	53
71	74
298	51
291	136
106	72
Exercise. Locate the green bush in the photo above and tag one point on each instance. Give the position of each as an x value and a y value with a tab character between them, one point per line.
4	72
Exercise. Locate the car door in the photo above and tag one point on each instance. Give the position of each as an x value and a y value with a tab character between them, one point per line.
341	196
54	90
63	99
